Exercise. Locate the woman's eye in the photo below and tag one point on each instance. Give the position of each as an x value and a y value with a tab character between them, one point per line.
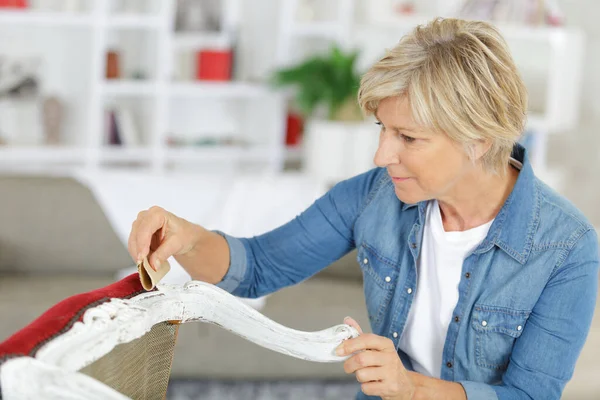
407	139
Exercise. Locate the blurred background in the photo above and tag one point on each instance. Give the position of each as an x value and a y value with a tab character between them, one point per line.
236	115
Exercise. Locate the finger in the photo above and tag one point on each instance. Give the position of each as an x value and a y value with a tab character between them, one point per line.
364	359
367	341
352	322
147	226
373	374
131	242
169	247
372	388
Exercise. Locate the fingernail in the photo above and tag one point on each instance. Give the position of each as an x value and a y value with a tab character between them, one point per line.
140	258
340	350
346	318
156	265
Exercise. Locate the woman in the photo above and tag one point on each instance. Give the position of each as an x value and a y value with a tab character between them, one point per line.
480	281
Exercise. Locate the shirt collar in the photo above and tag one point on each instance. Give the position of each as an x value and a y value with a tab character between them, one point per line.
515	224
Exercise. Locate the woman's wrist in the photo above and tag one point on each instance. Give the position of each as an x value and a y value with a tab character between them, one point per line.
431	388
208	257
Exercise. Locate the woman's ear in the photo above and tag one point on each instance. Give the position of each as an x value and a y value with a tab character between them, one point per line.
480	148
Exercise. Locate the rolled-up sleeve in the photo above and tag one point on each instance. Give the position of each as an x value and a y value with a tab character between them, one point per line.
478	391
237	264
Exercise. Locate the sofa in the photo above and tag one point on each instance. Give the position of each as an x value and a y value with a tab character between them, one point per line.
56	241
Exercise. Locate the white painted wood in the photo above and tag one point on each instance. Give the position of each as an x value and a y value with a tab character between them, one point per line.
121	321
26	378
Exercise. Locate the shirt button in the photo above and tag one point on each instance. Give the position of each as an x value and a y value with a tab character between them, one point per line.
456	319
468	275
449	364
519	327
409	291
365	261
395	334
387	279
413	245
484	323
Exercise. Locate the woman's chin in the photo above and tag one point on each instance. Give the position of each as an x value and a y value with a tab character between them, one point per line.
408	197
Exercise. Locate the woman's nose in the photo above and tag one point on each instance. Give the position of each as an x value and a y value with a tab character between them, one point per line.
386	153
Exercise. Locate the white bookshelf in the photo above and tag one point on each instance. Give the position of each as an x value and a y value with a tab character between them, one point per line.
238	90
45	19
558	109
147	39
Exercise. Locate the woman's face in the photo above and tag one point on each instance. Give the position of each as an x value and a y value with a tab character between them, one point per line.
423	164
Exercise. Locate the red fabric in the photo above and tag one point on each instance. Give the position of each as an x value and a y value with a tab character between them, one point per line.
214	65
61	317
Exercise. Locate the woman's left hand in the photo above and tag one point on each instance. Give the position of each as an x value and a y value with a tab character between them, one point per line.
376	365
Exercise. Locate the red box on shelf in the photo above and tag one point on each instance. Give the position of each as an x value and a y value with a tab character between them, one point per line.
13	4
214	65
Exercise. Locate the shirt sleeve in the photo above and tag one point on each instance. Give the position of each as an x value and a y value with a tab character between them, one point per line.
544	357
297	250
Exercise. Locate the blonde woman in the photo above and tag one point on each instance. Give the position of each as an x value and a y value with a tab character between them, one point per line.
480	281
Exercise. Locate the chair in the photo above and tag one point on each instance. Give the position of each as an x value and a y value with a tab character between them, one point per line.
117	342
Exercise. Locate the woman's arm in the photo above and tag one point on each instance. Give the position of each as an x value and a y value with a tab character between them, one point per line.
302	247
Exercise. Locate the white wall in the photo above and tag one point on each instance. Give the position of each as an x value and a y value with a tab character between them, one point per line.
579	151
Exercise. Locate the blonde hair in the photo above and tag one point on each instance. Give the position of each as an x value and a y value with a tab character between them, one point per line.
460	79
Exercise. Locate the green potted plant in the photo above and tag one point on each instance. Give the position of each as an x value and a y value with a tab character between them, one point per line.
326	85
336	144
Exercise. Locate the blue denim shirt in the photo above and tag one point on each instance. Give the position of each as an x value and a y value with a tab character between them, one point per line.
526	295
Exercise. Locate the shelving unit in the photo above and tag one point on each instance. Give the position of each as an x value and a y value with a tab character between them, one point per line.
157	100
554	53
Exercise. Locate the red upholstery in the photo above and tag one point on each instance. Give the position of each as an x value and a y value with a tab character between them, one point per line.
61	317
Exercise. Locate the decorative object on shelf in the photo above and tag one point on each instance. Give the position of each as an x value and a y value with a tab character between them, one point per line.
199	16
185	65
214	65
139	75
294	128
53	117
405	7
112	134
528	12
207	141
19	76
305	10
337	144
113	69
14	4
19	96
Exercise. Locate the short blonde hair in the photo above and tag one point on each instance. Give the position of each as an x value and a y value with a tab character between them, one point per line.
460	79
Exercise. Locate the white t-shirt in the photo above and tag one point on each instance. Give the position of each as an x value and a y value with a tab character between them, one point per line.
439	269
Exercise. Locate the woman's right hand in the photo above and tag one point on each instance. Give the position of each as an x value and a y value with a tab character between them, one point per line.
159	234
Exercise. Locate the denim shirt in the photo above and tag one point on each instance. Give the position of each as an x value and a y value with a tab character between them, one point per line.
526	295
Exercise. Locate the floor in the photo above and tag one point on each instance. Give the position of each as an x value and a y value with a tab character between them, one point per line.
207	390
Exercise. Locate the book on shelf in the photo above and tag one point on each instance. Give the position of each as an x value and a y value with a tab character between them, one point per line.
121	128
